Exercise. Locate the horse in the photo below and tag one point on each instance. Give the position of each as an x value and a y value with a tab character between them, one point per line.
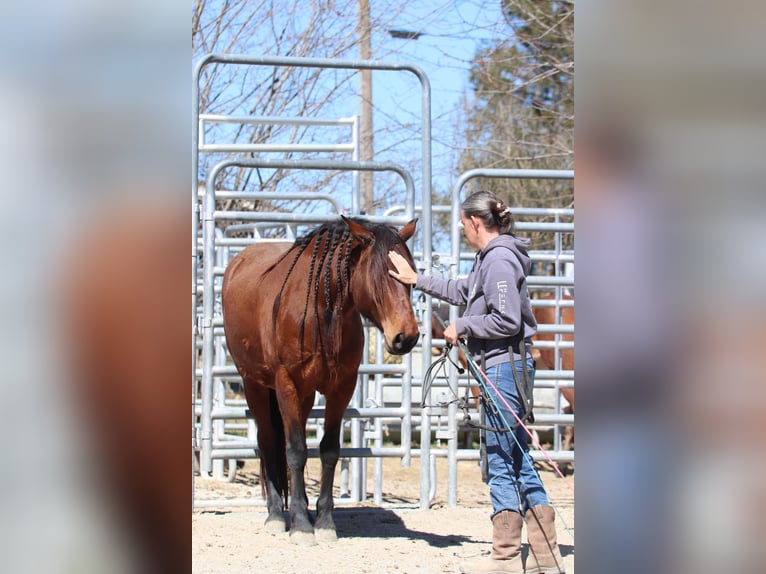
293	326
547	316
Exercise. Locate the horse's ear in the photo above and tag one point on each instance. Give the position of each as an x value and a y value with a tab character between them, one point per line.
358	231
408	230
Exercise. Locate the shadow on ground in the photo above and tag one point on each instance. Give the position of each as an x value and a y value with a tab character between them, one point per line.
375	523
384	523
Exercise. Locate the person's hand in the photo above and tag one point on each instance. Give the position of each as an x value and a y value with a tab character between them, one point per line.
404	272
450	334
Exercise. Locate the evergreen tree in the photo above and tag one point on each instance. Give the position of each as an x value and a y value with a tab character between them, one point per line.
521	114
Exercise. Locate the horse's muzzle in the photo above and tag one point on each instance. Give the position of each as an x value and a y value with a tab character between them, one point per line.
403	344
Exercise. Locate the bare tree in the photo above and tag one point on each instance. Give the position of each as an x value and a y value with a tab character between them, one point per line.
320	28
501	122
521	114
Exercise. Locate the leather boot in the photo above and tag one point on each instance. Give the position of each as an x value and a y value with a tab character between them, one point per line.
506	547
544	554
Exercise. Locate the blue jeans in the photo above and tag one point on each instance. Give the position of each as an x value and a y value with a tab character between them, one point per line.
513	481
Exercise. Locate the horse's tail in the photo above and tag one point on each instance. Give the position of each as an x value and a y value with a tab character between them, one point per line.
280	458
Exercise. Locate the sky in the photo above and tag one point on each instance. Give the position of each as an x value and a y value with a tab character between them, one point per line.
451	34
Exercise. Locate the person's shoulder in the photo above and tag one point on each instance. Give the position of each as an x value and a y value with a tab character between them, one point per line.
501	251
500	261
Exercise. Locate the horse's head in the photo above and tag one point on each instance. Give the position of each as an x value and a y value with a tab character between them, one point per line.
377	295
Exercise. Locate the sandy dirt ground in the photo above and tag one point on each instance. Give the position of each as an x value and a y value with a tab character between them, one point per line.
395	537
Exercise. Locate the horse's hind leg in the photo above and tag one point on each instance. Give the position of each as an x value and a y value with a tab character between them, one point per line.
271	447
329	451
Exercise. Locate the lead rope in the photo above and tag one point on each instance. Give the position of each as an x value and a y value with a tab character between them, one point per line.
465	401
484	380
462	402
523	387
485	384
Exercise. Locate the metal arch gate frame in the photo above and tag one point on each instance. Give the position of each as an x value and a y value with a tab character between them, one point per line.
464	178
209	218
196	208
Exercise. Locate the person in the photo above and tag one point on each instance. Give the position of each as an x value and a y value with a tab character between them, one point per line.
496	324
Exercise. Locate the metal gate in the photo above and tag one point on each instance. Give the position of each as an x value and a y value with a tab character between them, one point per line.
387	395
222	432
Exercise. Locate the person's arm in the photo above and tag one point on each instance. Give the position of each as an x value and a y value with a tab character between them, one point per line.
454	291
503	316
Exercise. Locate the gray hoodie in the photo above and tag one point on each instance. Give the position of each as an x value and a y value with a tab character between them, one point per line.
496	298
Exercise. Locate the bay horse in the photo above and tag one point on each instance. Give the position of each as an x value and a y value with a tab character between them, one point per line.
293	326
547	316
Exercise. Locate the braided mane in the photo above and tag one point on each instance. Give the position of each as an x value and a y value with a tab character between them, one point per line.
330	249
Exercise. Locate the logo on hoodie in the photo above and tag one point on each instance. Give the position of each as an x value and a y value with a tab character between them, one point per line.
502	289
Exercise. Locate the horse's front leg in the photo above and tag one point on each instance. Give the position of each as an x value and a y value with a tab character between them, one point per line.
301	529
329	451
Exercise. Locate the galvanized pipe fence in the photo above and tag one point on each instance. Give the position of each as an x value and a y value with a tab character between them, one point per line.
210	407
387	395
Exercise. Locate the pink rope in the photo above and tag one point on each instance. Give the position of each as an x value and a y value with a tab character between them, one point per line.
567	482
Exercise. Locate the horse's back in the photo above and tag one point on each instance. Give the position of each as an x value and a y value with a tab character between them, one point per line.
247	303
547	316
246	271
252	261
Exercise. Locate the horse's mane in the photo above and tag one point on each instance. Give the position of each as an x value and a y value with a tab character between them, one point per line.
331	255
386	239
331	242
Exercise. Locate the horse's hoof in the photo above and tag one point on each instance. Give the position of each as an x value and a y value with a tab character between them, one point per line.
302	538
324	535
275	525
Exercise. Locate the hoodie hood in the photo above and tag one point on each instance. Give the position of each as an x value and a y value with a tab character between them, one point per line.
518	245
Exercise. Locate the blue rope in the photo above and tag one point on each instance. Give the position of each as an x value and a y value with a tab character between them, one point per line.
480	376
